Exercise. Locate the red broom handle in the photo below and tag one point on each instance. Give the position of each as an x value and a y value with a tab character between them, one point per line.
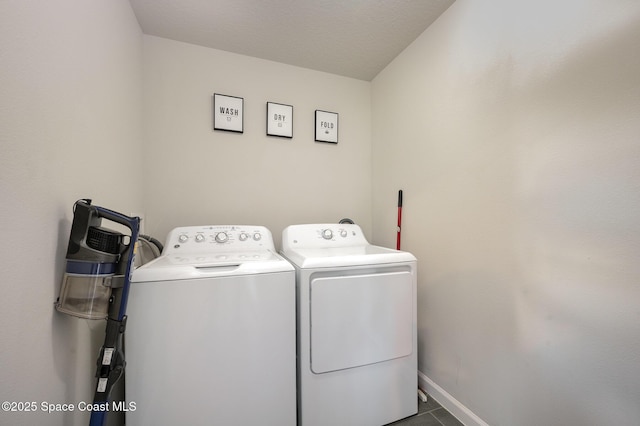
399	219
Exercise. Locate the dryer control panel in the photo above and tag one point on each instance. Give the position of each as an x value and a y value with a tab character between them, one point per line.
323	235
218	238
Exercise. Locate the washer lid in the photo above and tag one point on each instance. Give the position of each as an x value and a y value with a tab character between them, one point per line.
182	266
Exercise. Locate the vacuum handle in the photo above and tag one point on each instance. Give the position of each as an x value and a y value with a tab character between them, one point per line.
133	223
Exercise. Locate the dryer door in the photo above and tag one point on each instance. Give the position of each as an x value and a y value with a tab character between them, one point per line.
358	320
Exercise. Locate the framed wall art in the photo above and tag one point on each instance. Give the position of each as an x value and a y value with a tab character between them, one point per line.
279	120
228	113
326	126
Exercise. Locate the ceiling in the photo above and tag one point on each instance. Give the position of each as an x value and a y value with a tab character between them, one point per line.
353	38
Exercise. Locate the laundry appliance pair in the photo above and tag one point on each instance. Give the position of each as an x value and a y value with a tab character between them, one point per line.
224	330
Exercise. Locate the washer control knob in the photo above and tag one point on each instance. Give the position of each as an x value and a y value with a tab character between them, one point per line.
327	234
257	236
199	238
222	237
243	236
183	238
343	233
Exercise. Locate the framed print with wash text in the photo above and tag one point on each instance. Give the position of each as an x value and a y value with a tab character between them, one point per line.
228	113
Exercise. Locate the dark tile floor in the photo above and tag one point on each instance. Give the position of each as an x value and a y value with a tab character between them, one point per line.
430	413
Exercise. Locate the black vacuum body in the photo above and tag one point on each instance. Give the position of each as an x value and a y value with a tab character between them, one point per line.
92	261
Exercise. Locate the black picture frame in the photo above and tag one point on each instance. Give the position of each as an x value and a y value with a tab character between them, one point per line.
279	120
326	126
228	113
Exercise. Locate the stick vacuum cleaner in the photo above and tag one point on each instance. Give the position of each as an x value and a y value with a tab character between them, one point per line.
95	285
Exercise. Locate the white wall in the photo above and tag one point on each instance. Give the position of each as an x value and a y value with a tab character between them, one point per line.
197	176
512	128
71	127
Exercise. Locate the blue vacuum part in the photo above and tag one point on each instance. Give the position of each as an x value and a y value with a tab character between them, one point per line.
111	363
90	268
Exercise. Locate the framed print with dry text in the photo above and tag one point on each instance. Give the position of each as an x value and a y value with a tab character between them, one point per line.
279	120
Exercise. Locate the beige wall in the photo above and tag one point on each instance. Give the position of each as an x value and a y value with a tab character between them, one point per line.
512	128
197	176
70	127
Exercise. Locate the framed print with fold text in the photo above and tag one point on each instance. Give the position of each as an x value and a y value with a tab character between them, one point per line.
326	126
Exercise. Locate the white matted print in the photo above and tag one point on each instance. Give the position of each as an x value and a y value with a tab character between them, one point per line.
279	120
228	113
326	126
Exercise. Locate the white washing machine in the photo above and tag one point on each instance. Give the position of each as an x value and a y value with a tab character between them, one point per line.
356	311
210	336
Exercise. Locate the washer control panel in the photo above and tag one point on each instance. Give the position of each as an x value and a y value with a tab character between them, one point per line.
323	235
218	238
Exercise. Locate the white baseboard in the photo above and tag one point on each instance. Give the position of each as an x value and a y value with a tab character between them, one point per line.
452	405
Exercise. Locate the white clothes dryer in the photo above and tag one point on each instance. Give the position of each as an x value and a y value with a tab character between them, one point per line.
210	337
356	313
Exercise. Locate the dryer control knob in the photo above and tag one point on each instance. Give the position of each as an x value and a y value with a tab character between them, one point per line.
244	236
257	236
343	233
327	234
183	238
222	237
199	238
